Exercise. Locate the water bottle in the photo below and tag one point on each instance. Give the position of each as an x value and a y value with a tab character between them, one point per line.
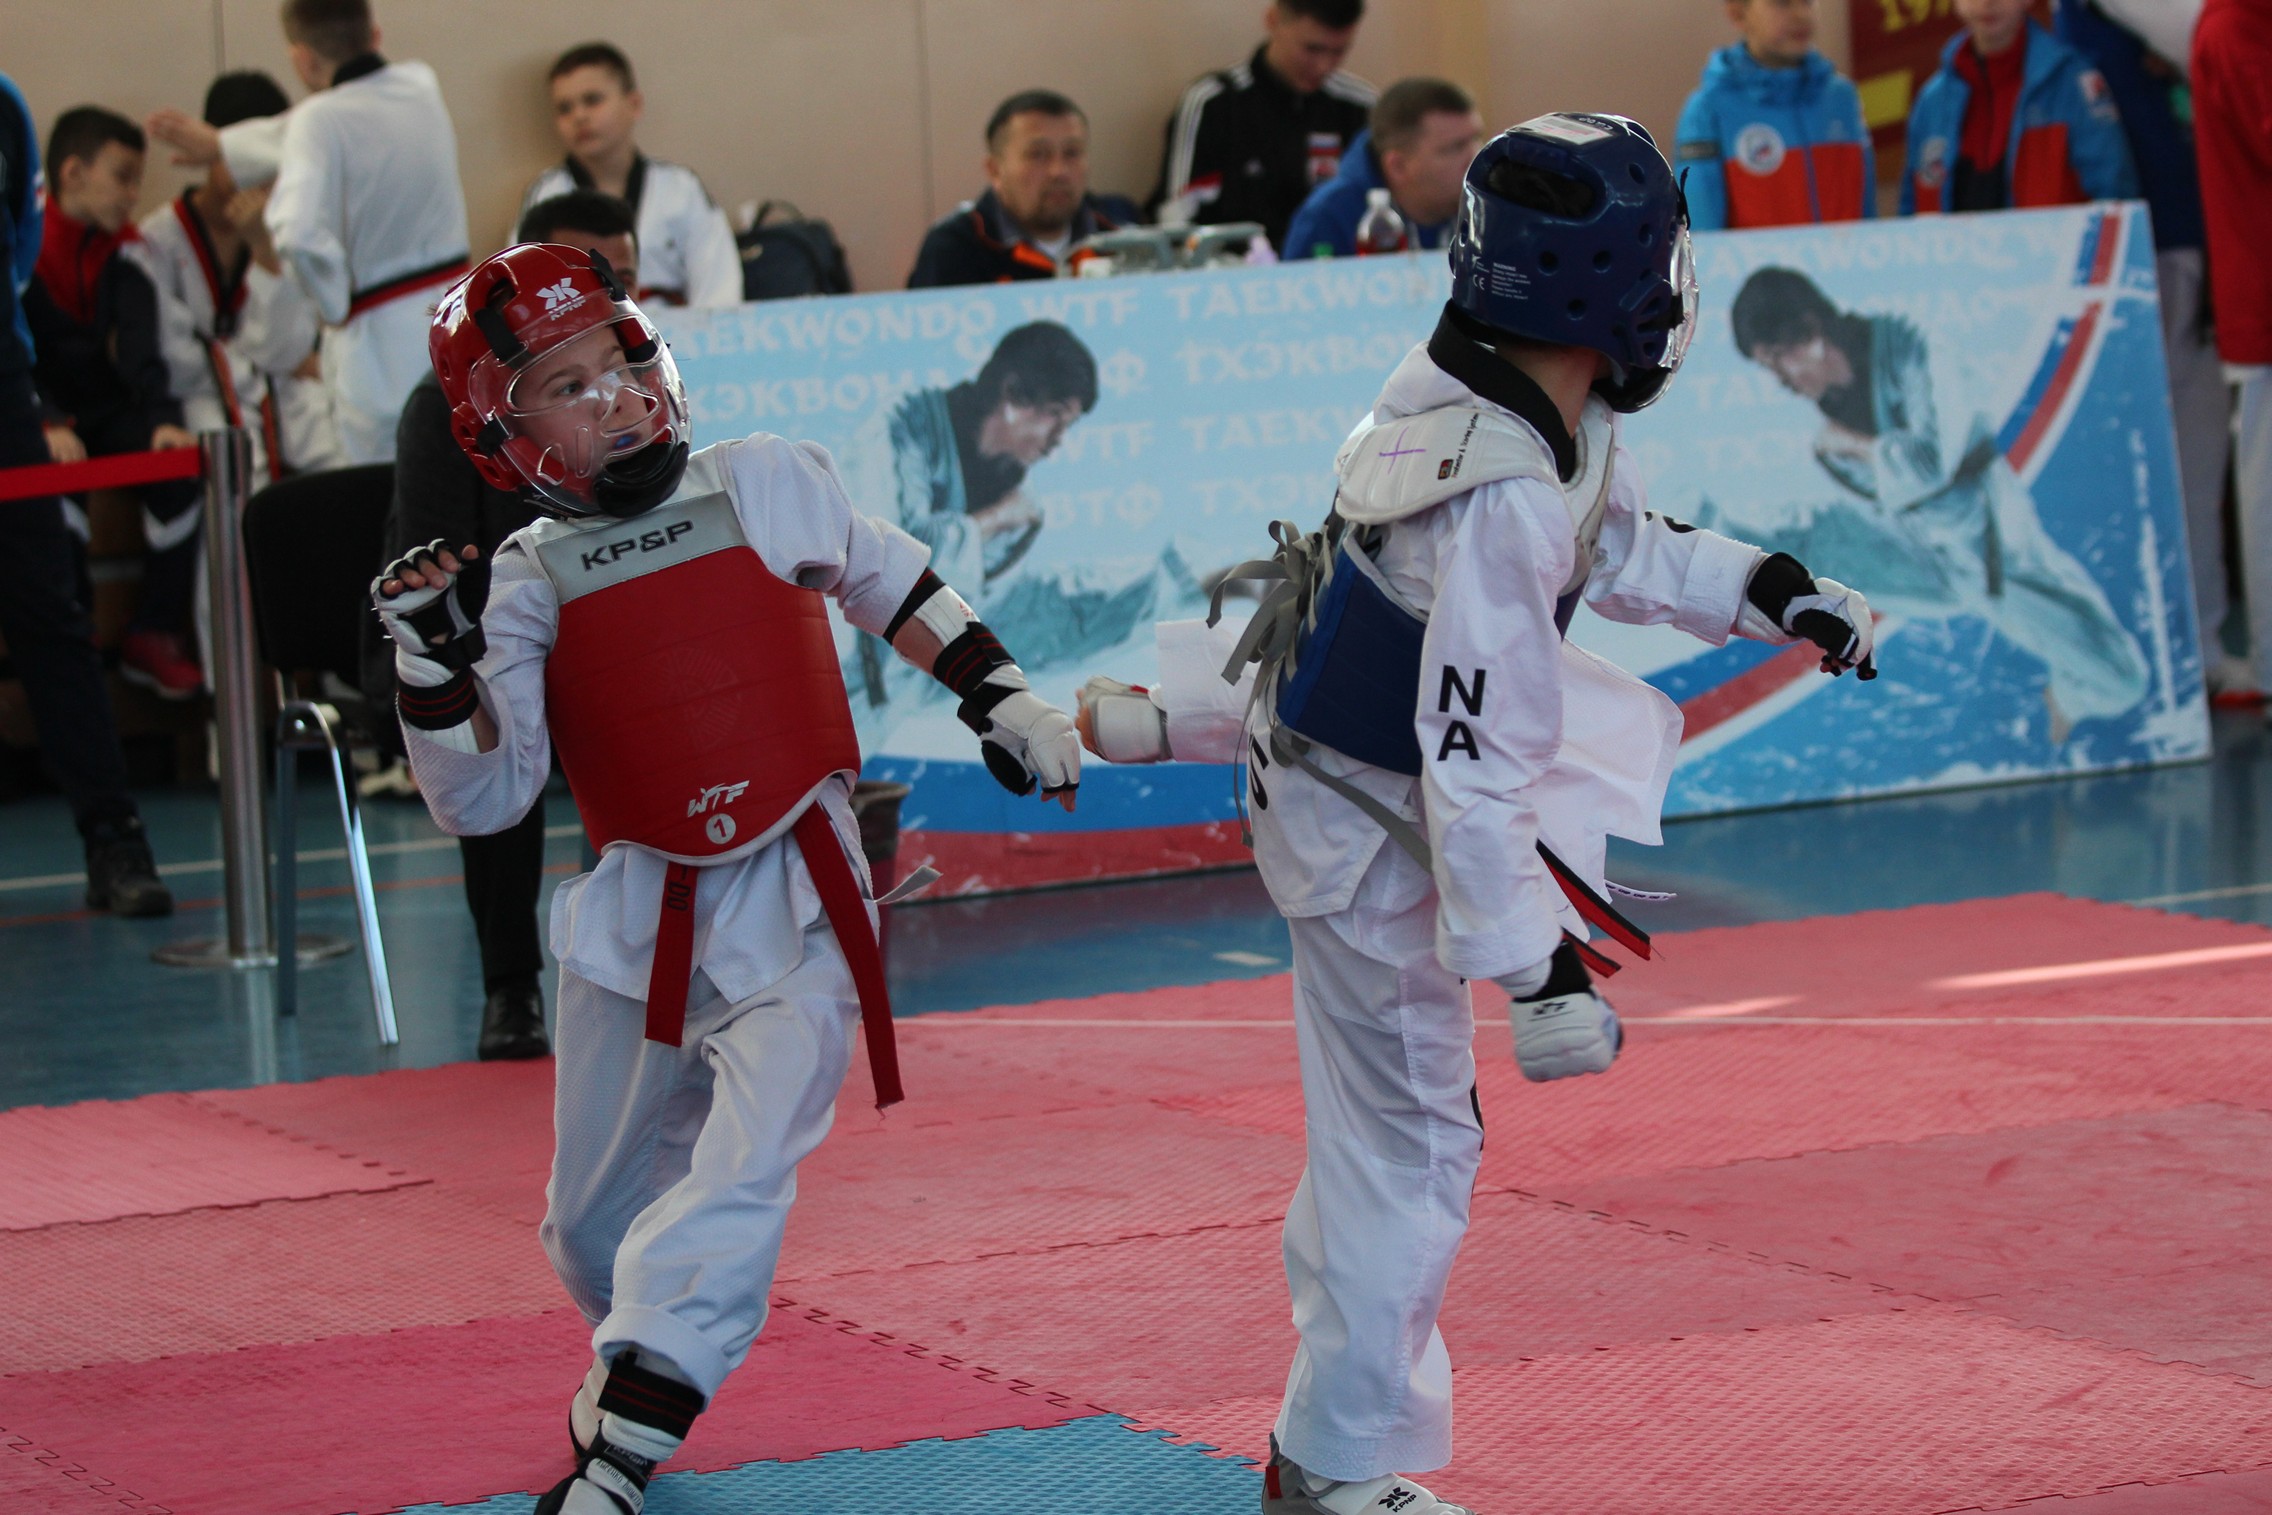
1382	230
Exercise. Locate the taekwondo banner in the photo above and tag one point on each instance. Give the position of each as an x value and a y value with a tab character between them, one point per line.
1965	417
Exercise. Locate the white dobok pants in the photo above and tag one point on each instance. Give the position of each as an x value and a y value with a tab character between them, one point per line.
1388	1078
675	1166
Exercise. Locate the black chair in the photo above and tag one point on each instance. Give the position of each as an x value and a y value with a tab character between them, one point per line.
312	544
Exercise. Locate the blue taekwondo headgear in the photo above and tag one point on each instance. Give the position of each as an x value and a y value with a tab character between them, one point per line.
1572	231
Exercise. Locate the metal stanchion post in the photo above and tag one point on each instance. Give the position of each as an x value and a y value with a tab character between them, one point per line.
236	717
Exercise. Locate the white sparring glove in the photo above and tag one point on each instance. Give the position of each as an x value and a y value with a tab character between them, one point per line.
434	639
1025	739
1784	603
1563	1027
1123	723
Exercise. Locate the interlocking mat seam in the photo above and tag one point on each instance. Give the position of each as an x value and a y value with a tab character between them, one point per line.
94	1483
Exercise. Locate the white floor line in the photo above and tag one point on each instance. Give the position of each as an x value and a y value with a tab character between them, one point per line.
312	855
2153	962
2237	891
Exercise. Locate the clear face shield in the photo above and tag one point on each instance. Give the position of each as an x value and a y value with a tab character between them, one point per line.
1683	276
1629	390
574	410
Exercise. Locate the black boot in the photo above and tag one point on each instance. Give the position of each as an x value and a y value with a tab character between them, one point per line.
121	875
512	1024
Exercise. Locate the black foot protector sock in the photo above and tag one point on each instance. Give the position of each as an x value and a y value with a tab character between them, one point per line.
643	1418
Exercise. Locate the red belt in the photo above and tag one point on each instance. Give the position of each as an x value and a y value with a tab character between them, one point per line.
406	284
847	912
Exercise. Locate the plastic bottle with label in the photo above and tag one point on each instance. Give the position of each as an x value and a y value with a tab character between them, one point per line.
1382	230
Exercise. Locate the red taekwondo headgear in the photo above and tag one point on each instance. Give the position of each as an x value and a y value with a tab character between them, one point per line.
558	385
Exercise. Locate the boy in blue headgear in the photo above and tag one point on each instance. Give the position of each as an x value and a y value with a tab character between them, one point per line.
1409	681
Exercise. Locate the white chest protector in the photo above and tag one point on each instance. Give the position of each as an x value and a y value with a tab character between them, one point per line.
1392	469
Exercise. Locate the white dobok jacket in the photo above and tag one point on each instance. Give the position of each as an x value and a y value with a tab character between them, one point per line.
366	196
1531	736
751	911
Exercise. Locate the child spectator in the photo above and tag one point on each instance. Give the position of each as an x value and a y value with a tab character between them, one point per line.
686	245
366	209
1424	133
1250	143
93	316
1037	204
1773	135
2014	118
42	614
240	336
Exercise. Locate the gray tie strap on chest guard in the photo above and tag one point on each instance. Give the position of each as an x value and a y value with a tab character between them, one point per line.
1337	650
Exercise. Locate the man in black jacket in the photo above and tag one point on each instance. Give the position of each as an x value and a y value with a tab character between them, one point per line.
438	496
1037	204
1250	143
50	639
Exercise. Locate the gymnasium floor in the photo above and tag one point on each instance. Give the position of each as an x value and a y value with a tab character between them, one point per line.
1931	1180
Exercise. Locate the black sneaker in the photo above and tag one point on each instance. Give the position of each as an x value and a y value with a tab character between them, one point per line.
512	1024
121	876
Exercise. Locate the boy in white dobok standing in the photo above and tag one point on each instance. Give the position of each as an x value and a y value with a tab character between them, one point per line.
664	631
1433	768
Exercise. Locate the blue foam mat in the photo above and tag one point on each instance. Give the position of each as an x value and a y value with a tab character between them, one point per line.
1096	1465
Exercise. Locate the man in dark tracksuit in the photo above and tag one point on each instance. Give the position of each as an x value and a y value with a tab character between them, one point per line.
439	497
1250	143
50	639
1037	207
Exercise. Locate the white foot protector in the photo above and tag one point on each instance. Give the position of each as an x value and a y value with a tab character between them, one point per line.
1287	1490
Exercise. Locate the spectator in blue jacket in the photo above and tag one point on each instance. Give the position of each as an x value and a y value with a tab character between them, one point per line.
2147	88
45	622
1774	134
1423	134
2014	118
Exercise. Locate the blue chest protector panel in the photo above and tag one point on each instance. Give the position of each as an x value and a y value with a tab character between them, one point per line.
1355	682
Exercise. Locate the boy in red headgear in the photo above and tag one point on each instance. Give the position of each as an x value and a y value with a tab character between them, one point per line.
663	629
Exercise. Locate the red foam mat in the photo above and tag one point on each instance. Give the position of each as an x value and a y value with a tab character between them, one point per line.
272	1274
1028	1183
36	1482
156	1156
1151	1323
2148	1231
1885	1414
485	1129
1886	962
328	1426
2210	1494
1077	1211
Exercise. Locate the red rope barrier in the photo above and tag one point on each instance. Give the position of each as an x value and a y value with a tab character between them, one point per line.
120	472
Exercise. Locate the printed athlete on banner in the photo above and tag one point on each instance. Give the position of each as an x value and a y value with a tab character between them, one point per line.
665	629
1433	769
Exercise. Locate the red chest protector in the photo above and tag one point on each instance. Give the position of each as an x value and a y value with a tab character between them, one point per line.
696	703
693	695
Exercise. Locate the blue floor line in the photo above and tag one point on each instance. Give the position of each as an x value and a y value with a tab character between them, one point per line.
1096	1465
